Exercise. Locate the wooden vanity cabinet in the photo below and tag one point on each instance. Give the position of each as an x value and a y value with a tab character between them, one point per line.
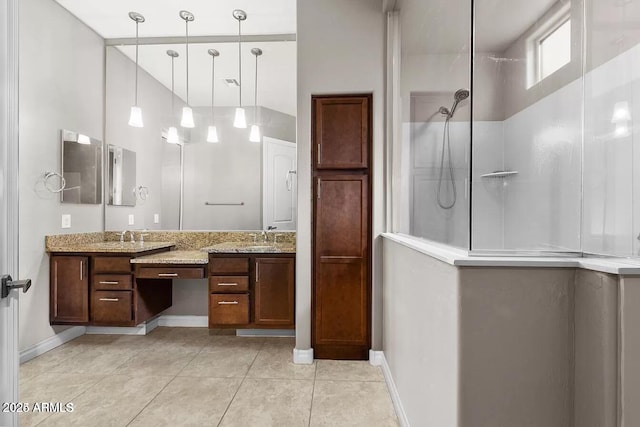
111	291
252	291
99	289
69	290
274	291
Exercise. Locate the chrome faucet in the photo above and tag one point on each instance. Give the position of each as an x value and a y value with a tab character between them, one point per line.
124	233
265	233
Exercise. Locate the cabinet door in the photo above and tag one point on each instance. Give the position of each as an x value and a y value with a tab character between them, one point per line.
341	301
341	132
274	291
69	290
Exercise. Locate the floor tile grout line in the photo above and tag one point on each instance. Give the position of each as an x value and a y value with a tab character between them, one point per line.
151	400
76	396
240	386
313	392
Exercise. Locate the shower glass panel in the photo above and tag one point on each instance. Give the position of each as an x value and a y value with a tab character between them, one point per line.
527	126
611	144
436	129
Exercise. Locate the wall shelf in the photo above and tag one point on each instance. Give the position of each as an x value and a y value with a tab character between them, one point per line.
499	174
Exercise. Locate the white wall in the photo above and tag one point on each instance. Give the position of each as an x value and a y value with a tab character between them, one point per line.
420	334
340	50
516	346
61	87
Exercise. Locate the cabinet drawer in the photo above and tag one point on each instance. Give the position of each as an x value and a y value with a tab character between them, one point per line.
111	282
228	309
111	264
228	265
170	273
226	284
111	307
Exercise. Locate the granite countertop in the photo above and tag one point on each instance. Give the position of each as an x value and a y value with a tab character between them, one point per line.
109	247
174	257
250	247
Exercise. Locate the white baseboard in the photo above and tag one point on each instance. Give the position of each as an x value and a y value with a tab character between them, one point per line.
51	343
303	357
393	391
265	332
375	357
142	329
183	321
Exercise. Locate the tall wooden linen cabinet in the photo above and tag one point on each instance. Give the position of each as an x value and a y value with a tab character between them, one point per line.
341	303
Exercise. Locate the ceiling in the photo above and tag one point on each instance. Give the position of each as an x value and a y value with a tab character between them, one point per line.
444	26
277	65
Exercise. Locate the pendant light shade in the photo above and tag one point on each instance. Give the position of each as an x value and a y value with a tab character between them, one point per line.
240	120
212	133
135	116
172	136
255	136
187	112
187	118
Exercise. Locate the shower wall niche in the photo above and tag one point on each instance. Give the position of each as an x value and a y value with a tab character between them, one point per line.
540	158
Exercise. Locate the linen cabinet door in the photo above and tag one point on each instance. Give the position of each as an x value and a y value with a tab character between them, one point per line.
341	284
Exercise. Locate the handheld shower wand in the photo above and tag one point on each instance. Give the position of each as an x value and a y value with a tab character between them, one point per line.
459	96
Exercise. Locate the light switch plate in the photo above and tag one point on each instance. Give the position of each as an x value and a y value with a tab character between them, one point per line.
66	221
132	219
156	218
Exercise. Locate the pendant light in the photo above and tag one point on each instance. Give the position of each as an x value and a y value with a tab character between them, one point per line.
135	118
240	120
172	135
254	136
187	112
212	134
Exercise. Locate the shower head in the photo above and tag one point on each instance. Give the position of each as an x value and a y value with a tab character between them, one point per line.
459	96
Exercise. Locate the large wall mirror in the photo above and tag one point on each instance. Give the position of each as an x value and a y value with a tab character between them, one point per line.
190	183
81	168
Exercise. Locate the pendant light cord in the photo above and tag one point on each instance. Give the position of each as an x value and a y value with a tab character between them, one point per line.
213	73
172	87
186	22
136	95
255	106
240	59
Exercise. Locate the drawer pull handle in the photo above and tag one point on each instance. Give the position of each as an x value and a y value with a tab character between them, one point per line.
228	303
109	283
167	274
227	284
110	299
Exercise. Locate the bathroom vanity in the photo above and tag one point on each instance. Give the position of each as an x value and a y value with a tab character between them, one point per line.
111	283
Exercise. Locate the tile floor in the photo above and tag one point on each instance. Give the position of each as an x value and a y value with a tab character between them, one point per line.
197	377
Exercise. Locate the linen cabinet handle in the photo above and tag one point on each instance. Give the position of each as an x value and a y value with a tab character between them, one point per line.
228	303
110	299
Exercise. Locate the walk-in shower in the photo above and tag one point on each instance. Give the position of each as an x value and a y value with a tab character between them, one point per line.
459	96
540	155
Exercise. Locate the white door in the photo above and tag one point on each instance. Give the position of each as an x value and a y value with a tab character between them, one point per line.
278	184
8	205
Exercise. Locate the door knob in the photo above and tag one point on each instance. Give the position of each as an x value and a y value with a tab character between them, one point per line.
7	283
